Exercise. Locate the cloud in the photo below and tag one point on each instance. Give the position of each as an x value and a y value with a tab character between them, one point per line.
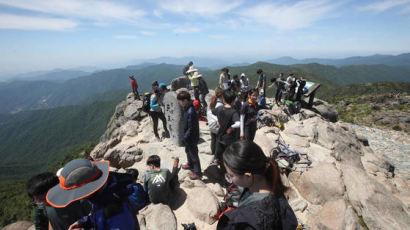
123	36
218	36
147	33
186	30
384	5
11	21
81	9
289	16
204	8
157	13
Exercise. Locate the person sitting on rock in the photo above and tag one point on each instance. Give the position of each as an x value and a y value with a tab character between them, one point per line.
228	121
262	204
106	191
190	135
249	113
236	84
45	215
159	182
139	197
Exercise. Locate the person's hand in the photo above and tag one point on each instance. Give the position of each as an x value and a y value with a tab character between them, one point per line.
228	131
74	226
176	162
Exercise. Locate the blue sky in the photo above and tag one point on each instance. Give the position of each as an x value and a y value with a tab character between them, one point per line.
47	34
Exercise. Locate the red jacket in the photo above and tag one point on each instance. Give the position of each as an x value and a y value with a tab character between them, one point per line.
134	84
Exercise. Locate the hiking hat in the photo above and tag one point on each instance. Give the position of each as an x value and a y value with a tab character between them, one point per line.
290	74
243	75
162	85
197	75
191	70
79	179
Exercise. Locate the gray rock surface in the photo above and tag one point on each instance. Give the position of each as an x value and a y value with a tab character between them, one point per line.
158	217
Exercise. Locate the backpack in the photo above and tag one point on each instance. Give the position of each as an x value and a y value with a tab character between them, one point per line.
138	199
146	102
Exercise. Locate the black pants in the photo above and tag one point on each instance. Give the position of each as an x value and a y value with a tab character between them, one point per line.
278	95
191	151
250	131
291	93
155	116
213	143
136	94
196	92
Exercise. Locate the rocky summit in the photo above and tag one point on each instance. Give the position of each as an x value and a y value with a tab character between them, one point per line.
359	177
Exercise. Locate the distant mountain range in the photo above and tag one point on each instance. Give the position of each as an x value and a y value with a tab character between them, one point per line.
57	75
390	60
28	95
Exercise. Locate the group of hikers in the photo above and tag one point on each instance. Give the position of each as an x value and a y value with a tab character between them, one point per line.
84	194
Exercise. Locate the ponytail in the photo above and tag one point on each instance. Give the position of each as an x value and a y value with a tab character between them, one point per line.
272	176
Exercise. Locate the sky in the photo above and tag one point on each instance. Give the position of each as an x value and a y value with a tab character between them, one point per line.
47	34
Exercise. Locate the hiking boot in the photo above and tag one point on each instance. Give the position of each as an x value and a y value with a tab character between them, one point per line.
194	176
186	167
158	138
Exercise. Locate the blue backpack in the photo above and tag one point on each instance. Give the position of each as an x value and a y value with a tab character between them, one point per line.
138	199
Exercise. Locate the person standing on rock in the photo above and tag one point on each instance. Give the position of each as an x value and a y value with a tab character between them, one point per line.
262	205
261	84
156	112
190	135
203	91
216	101
228	121
249	113
224	78
244	82
301	84
134	86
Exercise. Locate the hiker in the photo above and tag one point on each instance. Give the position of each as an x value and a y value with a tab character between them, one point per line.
139	197
154	86
236	84
190	135
240	100
228	120
216	101
262	205
301	84
224	78
244	82
45	215
186	68
159	182
291	86
184	72
203	91
106	191
261	84
249	113
134	86
156	112
194	76
280	84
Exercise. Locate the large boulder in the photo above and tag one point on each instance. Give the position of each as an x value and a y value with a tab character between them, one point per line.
19	225
124	155
180	82
203	204
335	215
319	184
157	217
327	111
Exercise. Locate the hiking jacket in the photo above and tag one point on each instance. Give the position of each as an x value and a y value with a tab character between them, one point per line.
259	211
134	84
203	87
110	208
155	103
159	184
191	125
194	81
223	79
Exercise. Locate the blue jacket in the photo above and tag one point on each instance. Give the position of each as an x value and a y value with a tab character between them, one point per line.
110	207
190	134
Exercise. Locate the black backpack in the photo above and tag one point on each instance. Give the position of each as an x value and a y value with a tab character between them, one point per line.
146	102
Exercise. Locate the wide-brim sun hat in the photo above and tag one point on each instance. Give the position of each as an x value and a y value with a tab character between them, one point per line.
243	75
79	179
191	70
197	75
